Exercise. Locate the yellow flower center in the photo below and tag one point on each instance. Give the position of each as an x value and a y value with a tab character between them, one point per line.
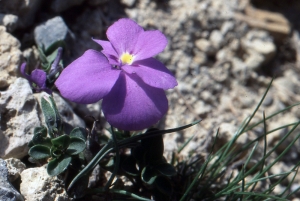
127	58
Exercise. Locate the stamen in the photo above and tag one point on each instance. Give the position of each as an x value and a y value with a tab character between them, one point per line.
127	58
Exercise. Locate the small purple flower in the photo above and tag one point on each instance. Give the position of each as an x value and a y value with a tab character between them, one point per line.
37	79
130	82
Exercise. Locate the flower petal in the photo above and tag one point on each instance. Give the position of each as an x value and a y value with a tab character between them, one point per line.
109	51
153	73
134	105
149	44
39	77
87	79
123	35
23	69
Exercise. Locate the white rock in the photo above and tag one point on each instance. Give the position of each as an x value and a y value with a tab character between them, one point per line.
10	58
254	60
216	38
228	131
9	21
18	119
263	47
15	167
205	46
37	185
227	26
128	3
201	108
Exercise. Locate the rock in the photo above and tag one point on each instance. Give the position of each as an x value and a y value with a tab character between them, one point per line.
19	117
66	112
227	133
15	167
38	185
227	26
51	31
7	191
201	108
10	58
32	58
94	177
24	9
205	46
95	27
128	3
287	87
216	38
254	60
9	21
59	6
259	42
85	110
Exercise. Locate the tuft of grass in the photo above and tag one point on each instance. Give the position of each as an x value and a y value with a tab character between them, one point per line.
227	173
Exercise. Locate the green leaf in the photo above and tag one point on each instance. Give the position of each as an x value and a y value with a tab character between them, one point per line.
52	56
78	132
42	131
42	55
166	169
52	117
61	142
164	185
129	166
148	175
54	46
76	146
55	152
39	152
37	139
58	165
40	137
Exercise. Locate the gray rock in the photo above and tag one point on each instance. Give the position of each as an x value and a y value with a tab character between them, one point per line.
38	185
24	9
19	117
9	21
59	6
95	27
7	191
51	31
10	58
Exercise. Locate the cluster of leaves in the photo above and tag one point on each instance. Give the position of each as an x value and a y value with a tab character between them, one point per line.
55	145
51	61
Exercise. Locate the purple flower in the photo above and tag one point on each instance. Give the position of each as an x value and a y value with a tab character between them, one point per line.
130	82
37	79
